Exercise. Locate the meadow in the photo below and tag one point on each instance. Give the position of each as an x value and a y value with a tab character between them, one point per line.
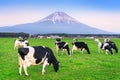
96	66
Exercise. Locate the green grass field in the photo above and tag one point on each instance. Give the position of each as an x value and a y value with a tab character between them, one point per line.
96	66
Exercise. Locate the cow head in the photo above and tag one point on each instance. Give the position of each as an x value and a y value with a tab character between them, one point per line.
56	66
25	43
58	39
20	43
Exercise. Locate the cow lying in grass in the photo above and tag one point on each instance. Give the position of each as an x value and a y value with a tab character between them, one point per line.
61	45
80	45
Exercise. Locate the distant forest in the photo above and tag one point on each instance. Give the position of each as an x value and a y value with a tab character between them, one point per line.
10	34
21	34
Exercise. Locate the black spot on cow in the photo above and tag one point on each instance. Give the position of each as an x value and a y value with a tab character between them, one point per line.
23	52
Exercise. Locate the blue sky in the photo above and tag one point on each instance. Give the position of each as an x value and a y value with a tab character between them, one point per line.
102	14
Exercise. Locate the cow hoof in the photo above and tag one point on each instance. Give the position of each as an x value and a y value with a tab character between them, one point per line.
27	75
69	55
42	73
20	74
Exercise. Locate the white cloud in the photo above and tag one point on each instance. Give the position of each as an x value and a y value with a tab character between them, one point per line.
19	18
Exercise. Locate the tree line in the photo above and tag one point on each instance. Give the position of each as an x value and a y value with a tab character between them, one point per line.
11	34
21	34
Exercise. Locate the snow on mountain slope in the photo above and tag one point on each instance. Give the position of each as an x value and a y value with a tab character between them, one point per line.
60	17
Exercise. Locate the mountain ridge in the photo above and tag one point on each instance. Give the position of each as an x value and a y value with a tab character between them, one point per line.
58	22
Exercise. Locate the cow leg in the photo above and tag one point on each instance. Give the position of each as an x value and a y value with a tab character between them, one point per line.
72	50
44	65
56	51
99	50
20	65
107	52
25	69
57	48
20	68
83	50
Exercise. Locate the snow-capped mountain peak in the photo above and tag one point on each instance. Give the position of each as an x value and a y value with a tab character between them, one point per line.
60	17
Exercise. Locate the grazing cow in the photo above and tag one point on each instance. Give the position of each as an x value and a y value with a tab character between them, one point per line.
100	45
103	46
21	43
107	48
80	45
60	45
112	45
35	56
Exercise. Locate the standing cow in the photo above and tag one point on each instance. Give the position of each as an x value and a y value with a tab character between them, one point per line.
35	56
80	45
104	46
111	44
61	45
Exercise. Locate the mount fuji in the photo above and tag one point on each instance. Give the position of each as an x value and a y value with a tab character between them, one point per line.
58	22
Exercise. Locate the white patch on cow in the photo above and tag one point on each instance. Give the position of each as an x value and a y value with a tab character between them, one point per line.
65	44
107	52
17	43
44	65
105	44
23	44
57	48
74	48
83	50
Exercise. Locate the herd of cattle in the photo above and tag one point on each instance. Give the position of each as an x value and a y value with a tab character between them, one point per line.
35	55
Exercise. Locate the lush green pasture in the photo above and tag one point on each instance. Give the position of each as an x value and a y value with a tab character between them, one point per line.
78	66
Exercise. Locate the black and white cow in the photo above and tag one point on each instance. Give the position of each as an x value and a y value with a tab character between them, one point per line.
107	48
100	45
104	46
35	56
21	43
111	44
80	45
61	45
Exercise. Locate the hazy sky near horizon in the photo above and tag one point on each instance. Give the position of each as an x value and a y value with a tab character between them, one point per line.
102	14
